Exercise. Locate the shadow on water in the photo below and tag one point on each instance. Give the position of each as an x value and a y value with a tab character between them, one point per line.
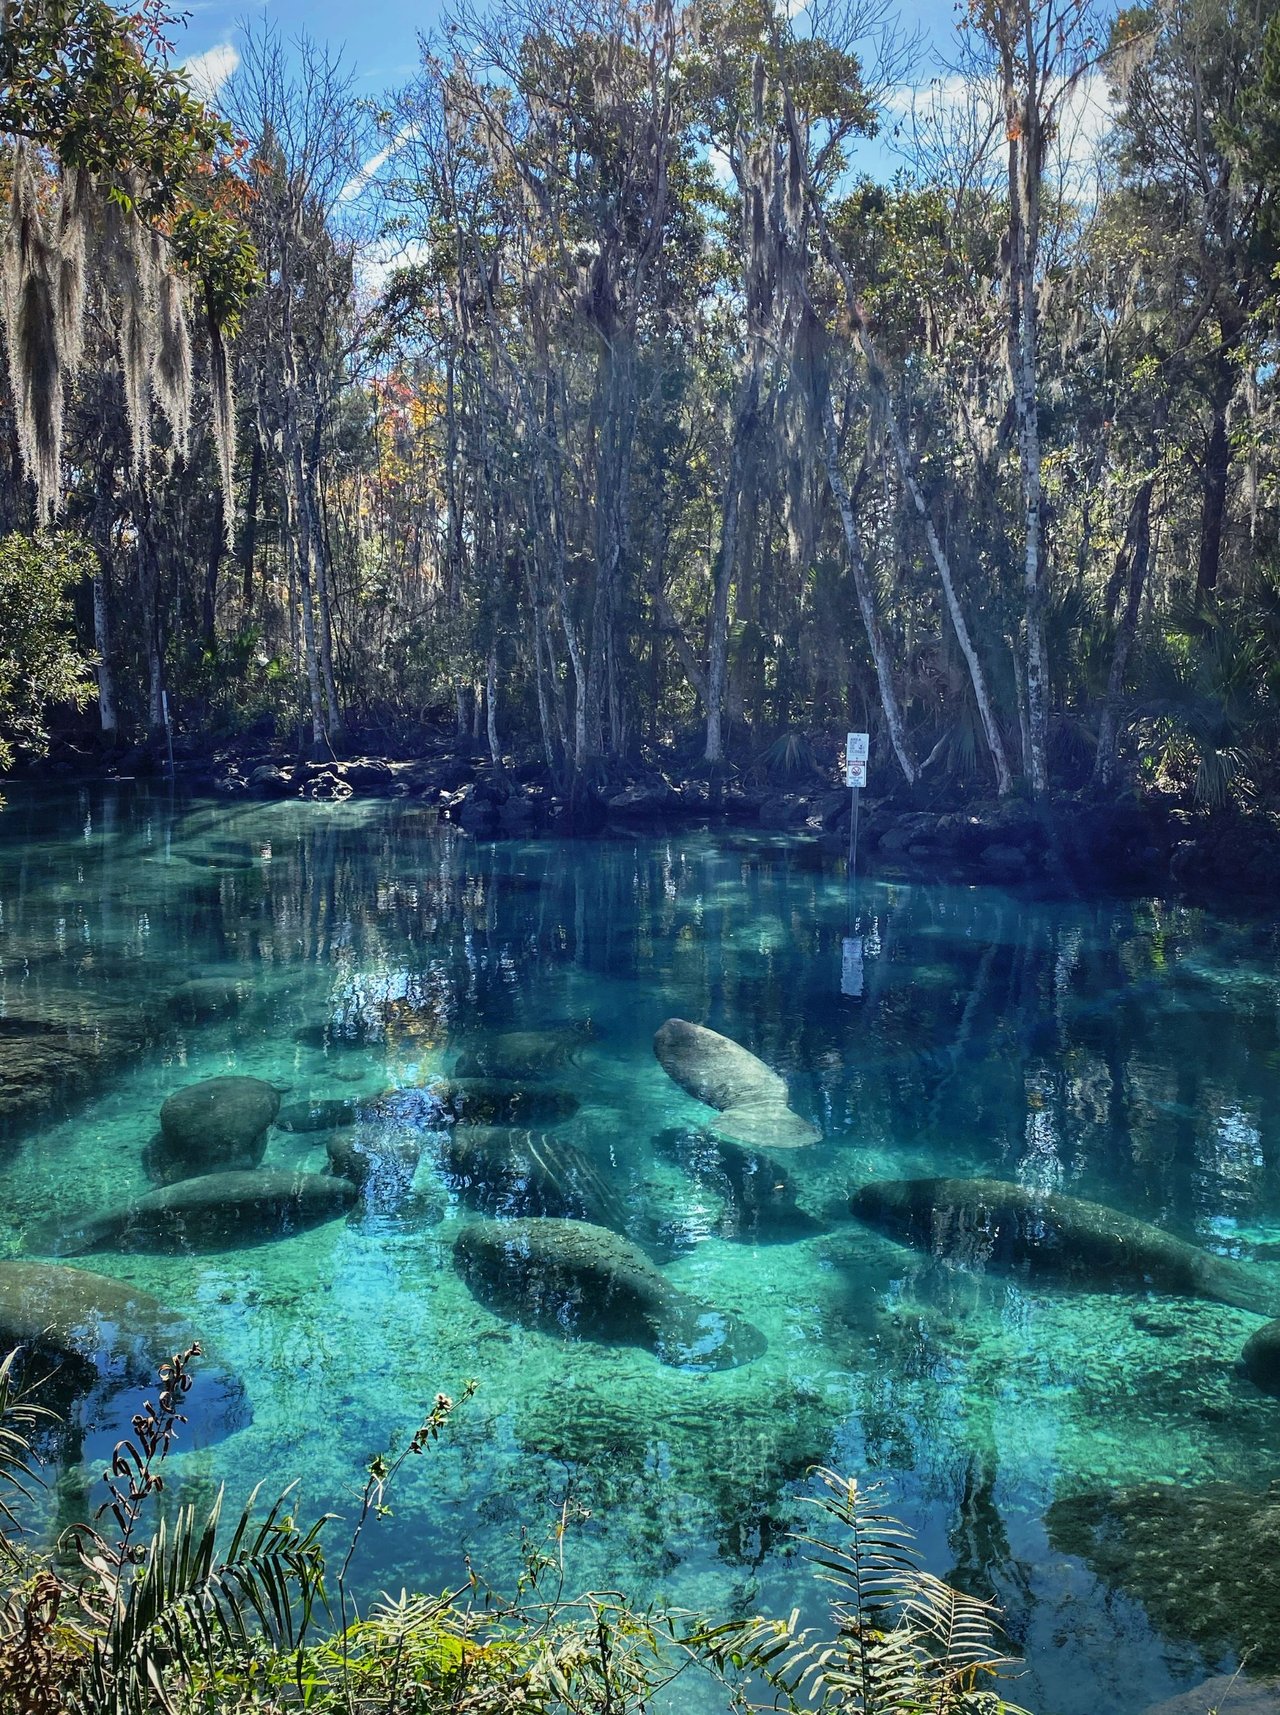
460	1040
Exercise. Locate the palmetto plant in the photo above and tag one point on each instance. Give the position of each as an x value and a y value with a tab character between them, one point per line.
904	1642
149	1610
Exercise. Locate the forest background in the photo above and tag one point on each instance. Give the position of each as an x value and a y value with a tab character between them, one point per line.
585	396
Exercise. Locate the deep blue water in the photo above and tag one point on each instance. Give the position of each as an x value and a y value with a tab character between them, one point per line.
1127	1052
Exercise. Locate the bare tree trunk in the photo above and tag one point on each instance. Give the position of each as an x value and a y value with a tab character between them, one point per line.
491	705
1025	127
218	541
1217	464
249	546
745	418
862	585
977	678
1138	543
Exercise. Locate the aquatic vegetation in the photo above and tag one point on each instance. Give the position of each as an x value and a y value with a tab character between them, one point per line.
1191	1555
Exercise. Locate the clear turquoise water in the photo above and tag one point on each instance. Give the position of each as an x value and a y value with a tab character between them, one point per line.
1128	1052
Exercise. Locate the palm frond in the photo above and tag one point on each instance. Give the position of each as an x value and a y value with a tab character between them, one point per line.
20	1417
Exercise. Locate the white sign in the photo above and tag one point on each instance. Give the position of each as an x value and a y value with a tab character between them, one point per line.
851	967
855	773
857	747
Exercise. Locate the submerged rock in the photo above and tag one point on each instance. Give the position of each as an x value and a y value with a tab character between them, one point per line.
215	1211
758	1196
107	1339
503	1170
980	1223
500	1101
752	1098
572	1277
218	1123
1260	1359
1200	1560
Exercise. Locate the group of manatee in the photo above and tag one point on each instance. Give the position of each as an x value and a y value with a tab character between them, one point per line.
550	1240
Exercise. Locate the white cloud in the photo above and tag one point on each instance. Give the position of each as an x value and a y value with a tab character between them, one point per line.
207	72
374	165
965	109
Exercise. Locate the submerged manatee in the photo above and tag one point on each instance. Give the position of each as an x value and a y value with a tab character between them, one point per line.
1260	1359
218	1123
501	1170
499	1101
572	1277
759	1198
751	1098
517	1054
990	1222
326	1114
107	1340
216	1211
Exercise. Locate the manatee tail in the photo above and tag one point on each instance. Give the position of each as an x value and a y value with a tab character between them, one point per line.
764	1125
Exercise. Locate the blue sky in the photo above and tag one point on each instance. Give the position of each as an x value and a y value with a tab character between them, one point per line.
379	37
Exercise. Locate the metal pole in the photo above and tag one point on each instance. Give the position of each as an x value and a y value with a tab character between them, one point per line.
853	834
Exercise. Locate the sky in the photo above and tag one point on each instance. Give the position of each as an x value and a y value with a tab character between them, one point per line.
379	44
379	38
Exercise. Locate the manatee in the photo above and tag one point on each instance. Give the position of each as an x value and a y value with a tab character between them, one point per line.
759	1199
983	1222
571	1277
1260	1359
500	1170
517	1054
361	1156
216	1211
107	1339
219	1123
751	1098
326	1114
498	1101
201	998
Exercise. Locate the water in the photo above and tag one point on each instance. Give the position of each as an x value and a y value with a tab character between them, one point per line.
1126	1052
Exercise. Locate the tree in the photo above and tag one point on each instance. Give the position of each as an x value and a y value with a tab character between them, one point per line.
113	167
39	664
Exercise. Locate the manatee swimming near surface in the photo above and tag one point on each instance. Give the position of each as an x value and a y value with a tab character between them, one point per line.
215	1211
215	1124
505	1170
106	1340
992	1222
759	1198
752	1098
572	1277
500	1101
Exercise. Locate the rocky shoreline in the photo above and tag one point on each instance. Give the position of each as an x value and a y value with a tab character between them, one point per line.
1154	843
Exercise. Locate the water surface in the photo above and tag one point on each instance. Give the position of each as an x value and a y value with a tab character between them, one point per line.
1125	1052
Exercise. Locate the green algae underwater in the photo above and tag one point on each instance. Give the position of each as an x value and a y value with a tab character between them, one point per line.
1082	1447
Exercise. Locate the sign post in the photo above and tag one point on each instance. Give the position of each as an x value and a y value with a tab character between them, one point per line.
856	751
